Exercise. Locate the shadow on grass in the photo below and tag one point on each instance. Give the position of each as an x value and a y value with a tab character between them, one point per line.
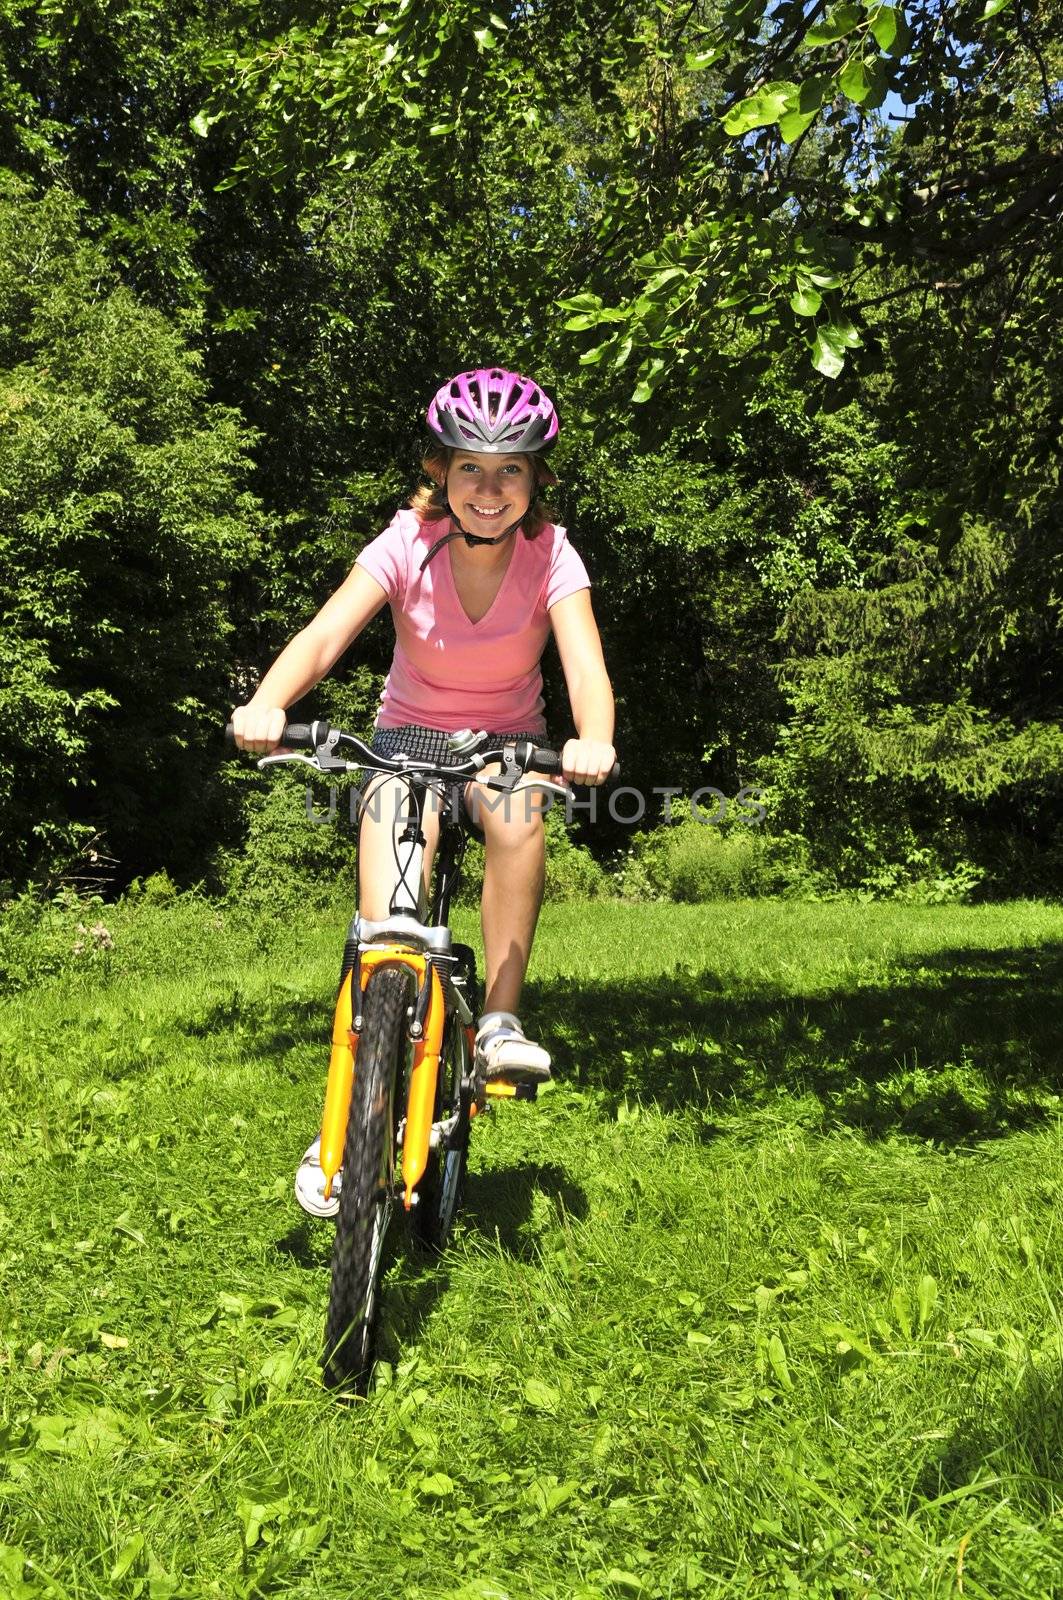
1016	1433
501	1202
958	1045
307	1245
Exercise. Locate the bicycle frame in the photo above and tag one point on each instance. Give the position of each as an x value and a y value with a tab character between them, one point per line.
403	939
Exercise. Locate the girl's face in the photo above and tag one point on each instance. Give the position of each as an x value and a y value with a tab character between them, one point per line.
488	493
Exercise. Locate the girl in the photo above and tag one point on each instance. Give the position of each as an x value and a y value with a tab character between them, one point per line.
476	577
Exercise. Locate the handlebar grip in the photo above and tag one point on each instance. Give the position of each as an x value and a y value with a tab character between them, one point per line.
296	736
544	760
300	735
550	761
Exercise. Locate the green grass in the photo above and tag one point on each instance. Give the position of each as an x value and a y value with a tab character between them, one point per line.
763	1298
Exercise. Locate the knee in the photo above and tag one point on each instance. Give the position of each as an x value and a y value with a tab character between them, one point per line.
517	830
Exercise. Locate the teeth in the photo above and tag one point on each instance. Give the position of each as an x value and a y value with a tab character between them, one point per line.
480	512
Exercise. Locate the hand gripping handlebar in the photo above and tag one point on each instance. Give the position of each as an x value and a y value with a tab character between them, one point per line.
310	735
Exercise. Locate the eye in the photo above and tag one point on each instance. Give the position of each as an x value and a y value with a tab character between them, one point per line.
468	466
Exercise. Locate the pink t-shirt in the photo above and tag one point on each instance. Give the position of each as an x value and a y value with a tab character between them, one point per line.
448	672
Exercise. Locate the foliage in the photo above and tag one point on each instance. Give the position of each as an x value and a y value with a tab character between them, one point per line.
123	520
734	164
298	848
804	250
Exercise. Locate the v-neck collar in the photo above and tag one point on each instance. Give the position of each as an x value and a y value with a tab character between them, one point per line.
447	552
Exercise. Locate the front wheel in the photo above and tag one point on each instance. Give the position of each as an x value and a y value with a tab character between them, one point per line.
368	1190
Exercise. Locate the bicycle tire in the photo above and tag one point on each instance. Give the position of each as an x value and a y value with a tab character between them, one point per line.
368	1188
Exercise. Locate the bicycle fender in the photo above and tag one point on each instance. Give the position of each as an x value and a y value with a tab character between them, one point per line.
421	1101
338	1088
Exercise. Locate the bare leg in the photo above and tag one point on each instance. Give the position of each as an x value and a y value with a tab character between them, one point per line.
384	800
514	873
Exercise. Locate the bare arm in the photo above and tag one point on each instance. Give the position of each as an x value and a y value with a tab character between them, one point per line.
589	757
305	661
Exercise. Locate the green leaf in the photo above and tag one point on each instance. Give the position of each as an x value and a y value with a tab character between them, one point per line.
926	1298
541	1396
581	302
201	123
437	1486
848	1339
792	124
760	110
698	60
779	1364
652	376
827	359
50	1432
884	26
902	42
485	39
806	302
854	81
411	109
498	23
128	1554
902	1310
657	288
992	7
616	1578
842	20
262	1500
438	129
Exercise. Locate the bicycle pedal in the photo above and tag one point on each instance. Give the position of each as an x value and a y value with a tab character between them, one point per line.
499	1089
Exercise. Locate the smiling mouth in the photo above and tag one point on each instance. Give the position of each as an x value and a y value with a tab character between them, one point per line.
493	511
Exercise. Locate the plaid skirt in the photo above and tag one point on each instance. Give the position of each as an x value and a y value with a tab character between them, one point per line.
432	744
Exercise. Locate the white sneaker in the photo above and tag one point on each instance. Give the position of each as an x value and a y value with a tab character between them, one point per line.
502	1051
310	1184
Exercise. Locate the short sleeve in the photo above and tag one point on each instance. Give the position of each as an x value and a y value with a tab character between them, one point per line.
567	572
387	557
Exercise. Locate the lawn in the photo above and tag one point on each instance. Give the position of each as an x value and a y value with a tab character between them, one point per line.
763	1297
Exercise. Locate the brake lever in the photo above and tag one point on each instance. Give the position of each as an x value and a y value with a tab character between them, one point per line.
330	763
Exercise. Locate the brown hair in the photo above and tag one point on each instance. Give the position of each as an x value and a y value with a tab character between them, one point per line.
429	500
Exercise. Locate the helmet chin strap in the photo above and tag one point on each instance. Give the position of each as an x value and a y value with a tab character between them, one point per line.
463	533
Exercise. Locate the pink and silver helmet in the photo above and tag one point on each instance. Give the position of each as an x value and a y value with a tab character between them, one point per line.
493	412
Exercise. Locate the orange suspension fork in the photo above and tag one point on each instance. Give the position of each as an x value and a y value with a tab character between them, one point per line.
420	1106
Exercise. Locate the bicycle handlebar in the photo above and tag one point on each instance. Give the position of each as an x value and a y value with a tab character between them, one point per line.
311	735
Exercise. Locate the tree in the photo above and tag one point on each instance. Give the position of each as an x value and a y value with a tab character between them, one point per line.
123	521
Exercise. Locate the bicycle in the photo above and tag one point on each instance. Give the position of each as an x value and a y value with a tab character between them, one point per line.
399	1125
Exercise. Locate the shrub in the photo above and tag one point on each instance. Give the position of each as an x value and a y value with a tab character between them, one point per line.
289	854
694	861
41	937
